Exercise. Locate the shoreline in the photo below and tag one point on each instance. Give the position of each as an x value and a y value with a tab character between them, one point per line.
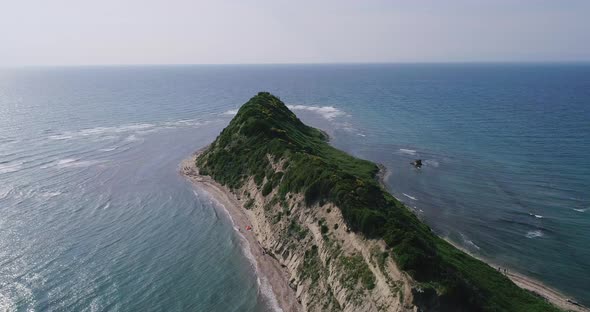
537	287
271	276
272	279
550	294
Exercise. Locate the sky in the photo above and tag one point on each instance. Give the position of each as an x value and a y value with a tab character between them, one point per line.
110	32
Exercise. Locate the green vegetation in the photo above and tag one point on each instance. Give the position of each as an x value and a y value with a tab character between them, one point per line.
355	269
312	265
265	129
296	230
267	188
249	204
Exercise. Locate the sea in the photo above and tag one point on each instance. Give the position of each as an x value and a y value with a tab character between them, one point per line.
95	217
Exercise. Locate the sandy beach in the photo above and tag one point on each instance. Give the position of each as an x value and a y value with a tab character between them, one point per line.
558	299
552	295
273	279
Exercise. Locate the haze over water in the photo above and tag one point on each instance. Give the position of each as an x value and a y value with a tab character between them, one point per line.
93	215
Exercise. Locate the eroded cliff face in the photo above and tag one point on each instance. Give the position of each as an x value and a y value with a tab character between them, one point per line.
330	268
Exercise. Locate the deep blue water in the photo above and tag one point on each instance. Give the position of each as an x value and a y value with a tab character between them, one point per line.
94	217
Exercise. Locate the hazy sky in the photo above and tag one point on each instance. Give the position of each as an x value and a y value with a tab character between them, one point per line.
54	32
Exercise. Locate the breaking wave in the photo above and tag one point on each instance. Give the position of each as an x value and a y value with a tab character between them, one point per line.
230	112
115	132
327	112
431	162
71	163
7	167
468	242
534	234
407	151
409	196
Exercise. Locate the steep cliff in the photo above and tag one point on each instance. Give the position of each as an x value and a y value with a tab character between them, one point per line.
347	244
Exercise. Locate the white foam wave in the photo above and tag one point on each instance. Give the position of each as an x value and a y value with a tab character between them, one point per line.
65	161
4	192
50	194
362	135
534	234
60	137
469	242
109	149
432	163
71	163
410	196
117	131
407	151
231	112
581	210
328	112
132	138
8	167
184	123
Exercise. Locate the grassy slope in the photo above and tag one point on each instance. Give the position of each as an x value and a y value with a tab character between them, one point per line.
265	126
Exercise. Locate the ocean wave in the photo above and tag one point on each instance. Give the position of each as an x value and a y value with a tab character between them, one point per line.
60	137
184	123
117	131
327	112
535	215
534	234
4	192
407	151
430	162
581	210
409	196
49	194
8	167
469	243
71	163
108	149
231	112
132	138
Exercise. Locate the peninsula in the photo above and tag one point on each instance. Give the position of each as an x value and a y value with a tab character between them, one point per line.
325	233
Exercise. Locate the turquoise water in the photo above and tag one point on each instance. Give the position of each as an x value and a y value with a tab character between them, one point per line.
94	217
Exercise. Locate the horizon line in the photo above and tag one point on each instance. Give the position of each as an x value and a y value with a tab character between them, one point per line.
301	63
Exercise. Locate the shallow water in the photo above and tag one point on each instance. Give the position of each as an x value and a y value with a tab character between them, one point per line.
94	217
